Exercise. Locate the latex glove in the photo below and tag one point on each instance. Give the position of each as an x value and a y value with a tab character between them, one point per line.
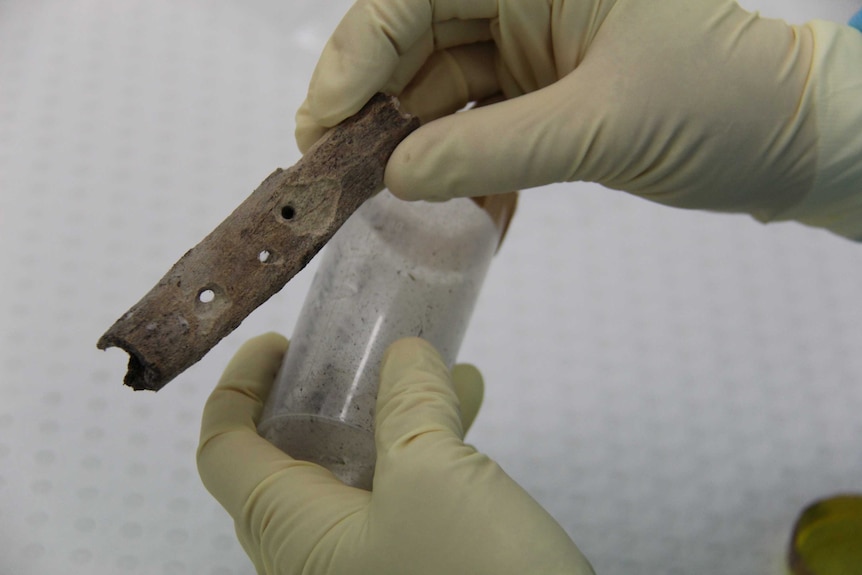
692	103
438	506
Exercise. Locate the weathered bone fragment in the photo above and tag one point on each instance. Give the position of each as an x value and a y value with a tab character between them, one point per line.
253	253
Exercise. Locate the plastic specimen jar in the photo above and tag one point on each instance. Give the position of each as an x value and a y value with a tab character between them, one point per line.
394	269
827	538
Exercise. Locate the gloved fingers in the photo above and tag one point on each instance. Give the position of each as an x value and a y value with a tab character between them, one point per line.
256	362
251	545
366	48
436	86
470	389
307	130
233	460
450	80
519	143
416	398
451	33
362	54
409	63
441	37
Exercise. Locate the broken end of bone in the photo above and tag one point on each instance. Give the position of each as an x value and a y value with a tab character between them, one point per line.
139	374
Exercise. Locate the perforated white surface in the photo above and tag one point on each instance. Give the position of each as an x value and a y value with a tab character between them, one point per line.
672	386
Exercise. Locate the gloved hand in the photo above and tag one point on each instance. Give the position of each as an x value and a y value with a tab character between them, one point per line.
438	506
692	103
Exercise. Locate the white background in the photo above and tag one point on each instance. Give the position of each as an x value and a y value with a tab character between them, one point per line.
672	386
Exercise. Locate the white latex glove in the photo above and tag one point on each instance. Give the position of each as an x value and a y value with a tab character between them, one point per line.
438	506
691	103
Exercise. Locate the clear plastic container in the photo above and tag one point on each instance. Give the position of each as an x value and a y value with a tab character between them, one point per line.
394	269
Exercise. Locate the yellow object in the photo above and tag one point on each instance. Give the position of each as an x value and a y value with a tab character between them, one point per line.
827	538
438	505
692	104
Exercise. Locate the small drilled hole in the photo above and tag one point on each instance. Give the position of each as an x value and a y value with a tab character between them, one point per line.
288	213
264	256
206	296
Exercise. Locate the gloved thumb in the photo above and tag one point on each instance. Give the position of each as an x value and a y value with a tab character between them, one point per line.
514	144
417	400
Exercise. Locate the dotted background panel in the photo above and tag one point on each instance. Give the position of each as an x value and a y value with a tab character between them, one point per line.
672	386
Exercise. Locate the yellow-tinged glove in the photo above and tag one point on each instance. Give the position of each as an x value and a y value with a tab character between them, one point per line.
691	103
438	505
